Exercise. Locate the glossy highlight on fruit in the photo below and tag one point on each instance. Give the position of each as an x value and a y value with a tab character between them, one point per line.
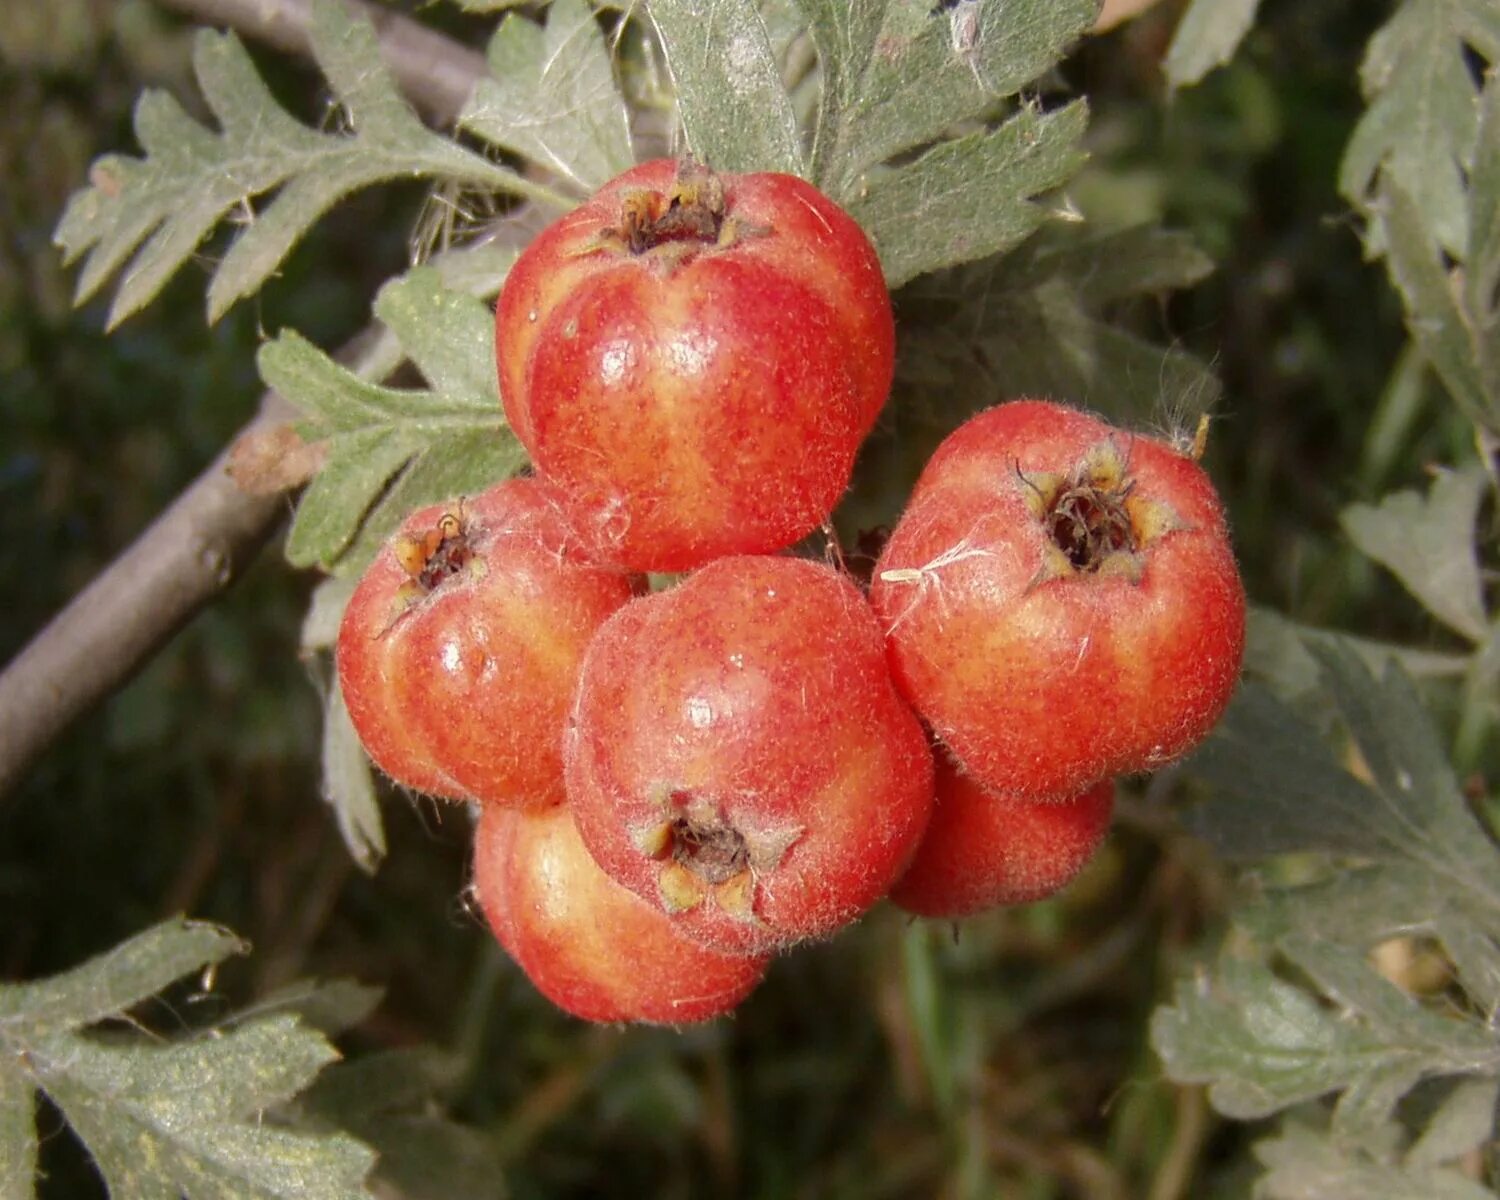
983	850
460	647
1061	601
591	947
694	358
740	758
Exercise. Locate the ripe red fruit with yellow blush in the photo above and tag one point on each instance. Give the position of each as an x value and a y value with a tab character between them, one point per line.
590	946
1061	601
739	757
460	647
694	358
983	850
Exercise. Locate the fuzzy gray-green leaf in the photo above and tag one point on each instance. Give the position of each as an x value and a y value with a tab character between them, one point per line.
448	334
1433	316
1308	1164
1482	266
970	197
551	96
1206	37
1260	1043
733	104
392	1100
349	787
1464	1121
1428	542
392	450
189	1117
1419	129
18	1144
898	74
1278	788
1278	653
159	208
116	980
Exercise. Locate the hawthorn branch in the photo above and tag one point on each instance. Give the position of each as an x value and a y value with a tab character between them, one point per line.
190	554
435	72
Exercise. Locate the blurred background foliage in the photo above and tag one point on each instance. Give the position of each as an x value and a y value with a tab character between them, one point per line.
1010	1060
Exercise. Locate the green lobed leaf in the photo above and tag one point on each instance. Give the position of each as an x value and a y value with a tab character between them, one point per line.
1434	317
192	178
1278	653
392	1100
1464	1121
899	74
1428	542
349	787
1028	323
1482	265
1306	1164
325	612
1417	1041
1260	1043
551	96
1034	317
393	450
447	333
1366	906
330	1006
18	1143
1277	787
1206	37
1420	127
970	197
731	98
189	1117
116	980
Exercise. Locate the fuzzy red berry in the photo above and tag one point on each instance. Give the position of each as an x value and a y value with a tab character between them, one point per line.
1061	601
461	645
740	758
695	358
591	947
982	850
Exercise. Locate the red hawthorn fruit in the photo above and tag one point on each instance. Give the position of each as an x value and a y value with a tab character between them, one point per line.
1061	601
739	757
983	850
694	358
460	647
591	947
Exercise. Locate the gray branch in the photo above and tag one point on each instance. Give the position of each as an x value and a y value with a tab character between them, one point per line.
205	539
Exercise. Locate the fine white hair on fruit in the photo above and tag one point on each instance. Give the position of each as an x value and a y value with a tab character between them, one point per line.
926	577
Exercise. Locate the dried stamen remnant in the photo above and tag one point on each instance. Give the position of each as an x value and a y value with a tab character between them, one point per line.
439	554
715	851
1095	519
1088	523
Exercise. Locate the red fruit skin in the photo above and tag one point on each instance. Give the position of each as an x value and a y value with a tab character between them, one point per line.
983	850
706	406
756	689
591	947
463	691
1044	684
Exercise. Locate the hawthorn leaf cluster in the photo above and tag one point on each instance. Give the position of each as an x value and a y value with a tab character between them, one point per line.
143	218
188	1115
256	1103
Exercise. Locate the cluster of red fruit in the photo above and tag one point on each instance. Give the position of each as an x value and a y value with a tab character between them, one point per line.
675	785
